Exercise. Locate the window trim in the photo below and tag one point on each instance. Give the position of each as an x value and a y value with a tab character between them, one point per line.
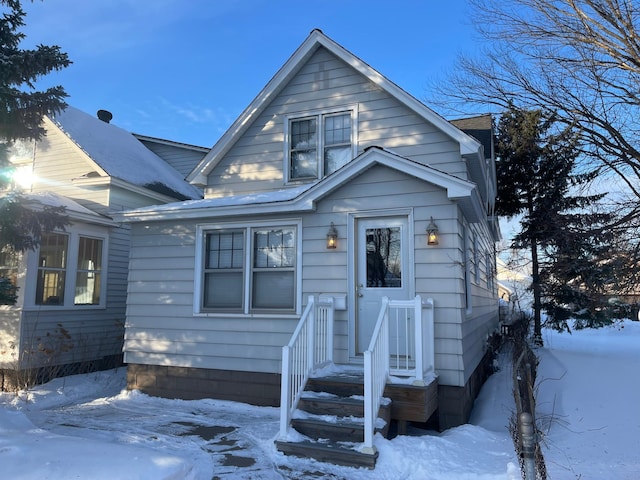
248	228
319	115
73	234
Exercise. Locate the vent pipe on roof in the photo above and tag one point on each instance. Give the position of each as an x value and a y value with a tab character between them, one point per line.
105	115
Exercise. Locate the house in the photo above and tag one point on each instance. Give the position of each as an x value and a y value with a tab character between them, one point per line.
70	311
335	195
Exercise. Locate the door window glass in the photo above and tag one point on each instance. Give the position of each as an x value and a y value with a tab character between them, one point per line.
384	261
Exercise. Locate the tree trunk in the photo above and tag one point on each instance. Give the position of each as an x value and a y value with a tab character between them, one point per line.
535	287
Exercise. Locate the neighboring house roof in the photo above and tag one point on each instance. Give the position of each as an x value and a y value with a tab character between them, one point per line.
506	273
479	127
73	209
315	40
164	141
304	197
118	154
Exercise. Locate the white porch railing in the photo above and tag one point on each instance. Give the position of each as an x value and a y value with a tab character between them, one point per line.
311	345
376	371
411	326
413	358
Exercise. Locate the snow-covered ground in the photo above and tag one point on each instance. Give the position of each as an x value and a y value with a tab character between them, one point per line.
90	427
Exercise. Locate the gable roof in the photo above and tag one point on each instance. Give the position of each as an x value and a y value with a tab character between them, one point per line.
315	40
116	153
305	197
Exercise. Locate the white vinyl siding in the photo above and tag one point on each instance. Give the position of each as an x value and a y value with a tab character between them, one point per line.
164	330
166	324
258	161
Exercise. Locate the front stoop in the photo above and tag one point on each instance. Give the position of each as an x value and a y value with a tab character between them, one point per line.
331	415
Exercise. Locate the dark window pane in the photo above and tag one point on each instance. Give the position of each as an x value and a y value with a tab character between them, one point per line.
384	257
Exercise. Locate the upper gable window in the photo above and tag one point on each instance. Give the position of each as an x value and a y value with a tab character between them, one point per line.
319	144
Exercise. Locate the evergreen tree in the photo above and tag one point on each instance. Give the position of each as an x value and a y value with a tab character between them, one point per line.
536	179
21	110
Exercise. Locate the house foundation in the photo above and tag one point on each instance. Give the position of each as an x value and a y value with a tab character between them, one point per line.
187	383
455	403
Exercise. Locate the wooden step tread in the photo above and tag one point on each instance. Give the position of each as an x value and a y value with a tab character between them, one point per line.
329	405
345	430
329	453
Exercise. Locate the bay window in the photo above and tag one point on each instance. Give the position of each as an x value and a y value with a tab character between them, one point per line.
249	269
69	270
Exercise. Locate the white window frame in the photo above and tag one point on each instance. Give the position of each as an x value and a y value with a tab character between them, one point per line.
73	234
476	259
319	115
248	268
466	260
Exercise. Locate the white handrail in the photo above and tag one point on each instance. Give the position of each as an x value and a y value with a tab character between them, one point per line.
416	361
311	345
376	372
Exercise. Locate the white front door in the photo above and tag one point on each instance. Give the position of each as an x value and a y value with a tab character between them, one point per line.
382	269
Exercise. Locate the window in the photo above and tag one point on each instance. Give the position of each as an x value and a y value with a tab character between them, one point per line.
249	270
476	260
9	261
223	273
88	271
467	268
319	145
52	269
69	270
273	275
490	262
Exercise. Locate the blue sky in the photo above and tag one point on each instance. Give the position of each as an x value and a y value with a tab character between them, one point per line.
185	69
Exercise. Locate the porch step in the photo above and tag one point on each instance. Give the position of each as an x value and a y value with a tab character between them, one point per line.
325	405
330	414
329	453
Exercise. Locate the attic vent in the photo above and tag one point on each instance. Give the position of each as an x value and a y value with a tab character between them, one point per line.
105	115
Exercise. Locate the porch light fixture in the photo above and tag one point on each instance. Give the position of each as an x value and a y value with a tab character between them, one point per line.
332	237
432	233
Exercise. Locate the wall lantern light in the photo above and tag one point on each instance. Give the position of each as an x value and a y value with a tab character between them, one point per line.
332	237
432	233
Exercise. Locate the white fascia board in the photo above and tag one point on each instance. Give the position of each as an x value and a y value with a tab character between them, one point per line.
471	205
213	212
